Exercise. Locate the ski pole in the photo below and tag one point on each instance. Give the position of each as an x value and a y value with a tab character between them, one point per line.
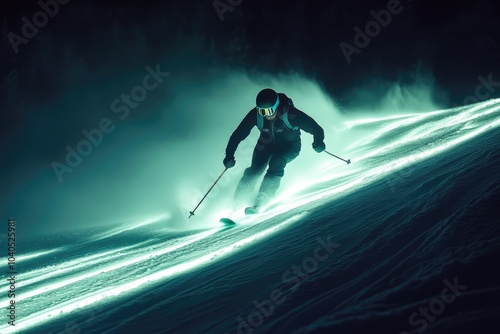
333	155
191	213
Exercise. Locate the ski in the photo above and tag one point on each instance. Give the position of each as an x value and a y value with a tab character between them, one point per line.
251	211
227	221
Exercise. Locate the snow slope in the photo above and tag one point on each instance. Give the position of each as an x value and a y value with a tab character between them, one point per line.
369	247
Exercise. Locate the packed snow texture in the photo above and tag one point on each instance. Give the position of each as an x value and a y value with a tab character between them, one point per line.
344	248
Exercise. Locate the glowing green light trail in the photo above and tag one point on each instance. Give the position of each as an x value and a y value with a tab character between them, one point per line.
397	142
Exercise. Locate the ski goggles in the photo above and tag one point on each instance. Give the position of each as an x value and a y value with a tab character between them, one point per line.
269	111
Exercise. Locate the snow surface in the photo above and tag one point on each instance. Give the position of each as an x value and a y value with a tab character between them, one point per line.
415	211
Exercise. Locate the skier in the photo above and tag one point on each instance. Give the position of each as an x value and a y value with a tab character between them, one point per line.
279	143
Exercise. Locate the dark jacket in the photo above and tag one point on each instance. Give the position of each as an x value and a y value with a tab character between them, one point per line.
275	132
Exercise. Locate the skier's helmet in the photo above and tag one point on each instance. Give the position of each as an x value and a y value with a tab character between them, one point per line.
267	102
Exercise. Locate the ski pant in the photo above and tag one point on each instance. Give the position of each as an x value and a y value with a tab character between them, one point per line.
276	157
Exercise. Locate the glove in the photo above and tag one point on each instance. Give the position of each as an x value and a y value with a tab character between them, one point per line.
229	161
319	146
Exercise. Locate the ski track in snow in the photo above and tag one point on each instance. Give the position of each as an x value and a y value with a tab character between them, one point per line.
408	213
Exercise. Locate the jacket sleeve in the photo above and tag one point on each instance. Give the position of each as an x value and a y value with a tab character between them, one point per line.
306	123
241	132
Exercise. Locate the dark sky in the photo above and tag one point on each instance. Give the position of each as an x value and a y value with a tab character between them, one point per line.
454	42
81	58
